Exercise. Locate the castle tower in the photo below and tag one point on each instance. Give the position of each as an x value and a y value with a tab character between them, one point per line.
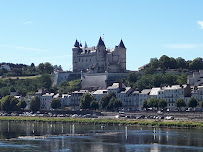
75	51
122	55
101	55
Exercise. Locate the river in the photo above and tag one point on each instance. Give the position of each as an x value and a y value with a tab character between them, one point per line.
58	137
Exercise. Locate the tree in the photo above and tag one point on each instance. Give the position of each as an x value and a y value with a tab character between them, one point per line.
41	68
181	63
114	103
48	68
106	99
86	100
132	77
173	63
164	62
56	103
35	104
9	103
145	105
22	104
32	65
201	104
94	105
192	102
152	102
154	63
46	81
182	79
196	64
180	103
162	103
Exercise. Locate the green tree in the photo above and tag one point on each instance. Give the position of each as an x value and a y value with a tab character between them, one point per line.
22	104
173	63
181	63
114	103
145	105
48	68
86	100
46	81
132	77
56	103
154	63
201	104
152	102
164	62
106	99
192	102
9	103
162	103
35	104
41	68
94	105
182	79
180	103
196	64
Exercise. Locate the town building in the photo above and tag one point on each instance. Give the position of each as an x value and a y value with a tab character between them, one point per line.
196	79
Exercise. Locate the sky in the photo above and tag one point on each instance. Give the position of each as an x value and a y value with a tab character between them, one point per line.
36	31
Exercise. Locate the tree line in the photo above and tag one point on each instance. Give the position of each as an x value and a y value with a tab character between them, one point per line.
161	104
107	102
28	70
149	81
165	62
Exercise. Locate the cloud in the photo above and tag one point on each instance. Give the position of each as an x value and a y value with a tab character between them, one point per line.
183	46
200	23
28	22
24	48
30	49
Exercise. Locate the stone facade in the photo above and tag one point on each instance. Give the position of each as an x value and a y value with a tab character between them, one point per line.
99	59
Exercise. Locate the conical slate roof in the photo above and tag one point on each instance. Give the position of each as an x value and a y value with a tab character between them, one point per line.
101	42
121	44
76	43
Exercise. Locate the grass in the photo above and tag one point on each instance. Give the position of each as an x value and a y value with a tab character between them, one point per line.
21	77
149	123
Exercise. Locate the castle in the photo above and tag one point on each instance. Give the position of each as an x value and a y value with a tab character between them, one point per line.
99	59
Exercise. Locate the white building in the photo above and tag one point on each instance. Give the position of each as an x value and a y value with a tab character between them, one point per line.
98	94
196	79
65	100
75	98
46	100
143	95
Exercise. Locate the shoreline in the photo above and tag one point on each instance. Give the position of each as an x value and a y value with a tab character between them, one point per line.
96	121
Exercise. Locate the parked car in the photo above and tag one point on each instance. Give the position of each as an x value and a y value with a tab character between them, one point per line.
169	118
141	117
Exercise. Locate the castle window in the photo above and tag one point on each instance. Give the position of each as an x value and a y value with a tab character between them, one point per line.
90	59
82	60
79	59
86	60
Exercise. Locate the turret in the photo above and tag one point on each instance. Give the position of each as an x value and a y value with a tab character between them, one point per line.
101	55
121	44
75	51
76	43
122	55
101	43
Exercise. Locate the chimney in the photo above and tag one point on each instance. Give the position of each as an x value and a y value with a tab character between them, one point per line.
120	85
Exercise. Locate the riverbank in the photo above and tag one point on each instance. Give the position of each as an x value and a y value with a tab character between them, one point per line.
131	122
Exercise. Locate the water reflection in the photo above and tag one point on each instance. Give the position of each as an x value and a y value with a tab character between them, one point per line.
83	138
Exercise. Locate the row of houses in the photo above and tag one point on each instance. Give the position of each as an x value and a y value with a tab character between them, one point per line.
131	99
